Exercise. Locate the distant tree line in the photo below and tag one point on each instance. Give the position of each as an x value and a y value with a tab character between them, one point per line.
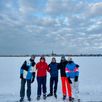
57	55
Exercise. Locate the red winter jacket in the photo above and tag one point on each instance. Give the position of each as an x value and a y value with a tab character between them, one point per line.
42	68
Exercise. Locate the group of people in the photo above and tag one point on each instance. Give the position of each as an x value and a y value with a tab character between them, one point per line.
69	72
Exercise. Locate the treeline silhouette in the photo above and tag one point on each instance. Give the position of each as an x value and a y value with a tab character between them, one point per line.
56	55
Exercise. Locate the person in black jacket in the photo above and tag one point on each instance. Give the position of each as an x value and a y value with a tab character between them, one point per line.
66	87
54	77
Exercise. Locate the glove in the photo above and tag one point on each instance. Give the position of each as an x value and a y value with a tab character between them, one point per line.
69	80
76	79
77	66
21	76
33	77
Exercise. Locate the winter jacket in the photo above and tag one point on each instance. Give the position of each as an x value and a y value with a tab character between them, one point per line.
53	69
42	68
72	70
28	69
62	66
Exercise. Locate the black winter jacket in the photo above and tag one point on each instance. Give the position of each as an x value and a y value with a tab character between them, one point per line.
61	67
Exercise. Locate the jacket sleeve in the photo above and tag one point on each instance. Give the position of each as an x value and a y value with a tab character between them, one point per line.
58	66
34	68
22	68
67	71
34	71
47	67
76	70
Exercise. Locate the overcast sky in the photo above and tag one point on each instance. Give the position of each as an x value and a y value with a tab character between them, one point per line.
40	26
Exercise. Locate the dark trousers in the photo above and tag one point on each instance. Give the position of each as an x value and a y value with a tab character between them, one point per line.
22	90
53	82
41	85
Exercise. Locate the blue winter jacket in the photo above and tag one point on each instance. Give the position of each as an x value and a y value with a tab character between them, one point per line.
72	70
53	69
28	69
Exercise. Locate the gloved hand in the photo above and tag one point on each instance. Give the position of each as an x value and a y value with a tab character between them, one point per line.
77	66
76	79
33	77
69	80
21	76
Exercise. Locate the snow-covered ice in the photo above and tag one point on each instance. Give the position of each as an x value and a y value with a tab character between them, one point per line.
90	79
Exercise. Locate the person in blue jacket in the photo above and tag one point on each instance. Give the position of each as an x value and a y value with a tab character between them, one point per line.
72	73
54	78
27	74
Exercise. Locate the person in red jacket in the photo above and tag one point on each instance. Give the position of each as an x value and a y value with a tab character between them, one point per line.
42	68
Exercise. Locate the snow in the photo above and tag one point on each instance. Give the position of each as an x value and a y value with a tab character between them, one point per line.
90	79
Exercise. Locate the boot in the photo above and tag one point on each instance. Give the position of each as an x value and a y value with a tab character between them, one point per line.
78	100
44	96
55	95
50	94
21	99
64	97
38	98
71	99
29	99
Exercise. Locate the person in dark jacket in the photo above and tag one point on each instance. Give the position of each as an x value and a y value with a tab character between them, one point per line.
42	68
27	74
66	87
53	77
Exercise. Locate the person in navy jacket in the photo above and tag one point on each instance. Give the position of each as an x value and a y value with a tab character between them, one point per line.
53	77
72	73
27	74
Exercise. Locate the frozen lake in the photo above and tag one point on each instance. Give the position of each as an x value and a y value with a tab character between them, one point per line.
90	79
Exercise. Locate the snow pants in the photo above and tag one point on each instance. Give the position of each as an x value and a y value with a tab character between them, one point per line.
75	89
41	85
53	82
22	90
66	87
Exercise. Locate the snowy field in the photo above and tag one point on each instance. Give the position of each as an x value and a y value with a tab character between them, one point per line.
90	79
